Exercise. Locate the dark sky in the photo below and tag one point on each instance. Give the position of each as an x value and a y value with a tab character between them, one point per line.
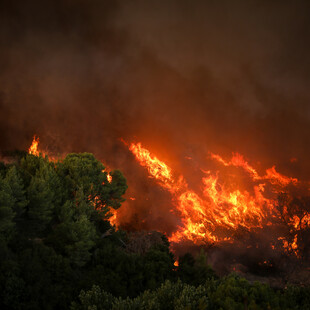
183	77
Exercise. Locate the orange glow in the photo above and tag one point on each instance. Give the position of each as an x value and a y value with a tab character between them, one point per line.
220	209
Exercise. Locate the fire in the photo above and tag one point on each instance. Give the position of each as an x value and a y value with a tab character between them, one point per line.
219	208
33	149
36	151
156	168
214	213
113	218
237	161
109	177
277	178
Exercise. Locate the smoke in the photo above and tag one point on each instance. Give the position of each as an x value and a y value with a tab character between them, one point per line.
182	77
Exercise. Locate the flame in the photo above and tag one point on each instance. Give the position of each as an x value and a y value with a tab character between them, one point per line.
218	209
277	178
156	168
109	177
33	149
36	151
113	218
237	161
212	215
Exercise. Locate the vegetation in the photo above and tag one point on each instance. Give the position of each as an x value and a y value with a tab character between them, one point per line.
58	249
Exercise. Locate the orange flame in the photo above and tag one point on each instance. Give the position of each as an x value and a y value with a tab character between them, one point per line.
277	178
109	177
212	216
156	168
33	149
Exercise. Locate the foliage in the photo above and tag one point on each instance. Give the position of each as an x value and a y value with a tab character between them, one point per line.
231	292
168	296
194	271
7	213
51	216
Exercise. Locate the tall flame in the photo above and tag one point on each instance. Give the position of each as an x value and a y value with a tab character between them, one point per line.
33	149
219	210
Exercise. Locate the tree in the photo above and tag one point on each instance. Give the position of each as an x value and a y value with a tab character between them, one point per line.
41	196
83	172
17	188
75	235
7	214
169	296
196	270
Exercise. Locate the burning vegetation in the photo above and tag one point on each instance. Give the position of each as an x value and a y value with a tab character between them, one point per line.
232	198
235	205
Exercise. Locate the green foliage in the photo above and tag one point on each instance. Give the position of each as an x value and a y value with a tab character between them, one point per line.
118	186
7	214
194	271
74	237
52	217
296	298
17	188
94	299
231	292
41	199
168	296
84	172
234	292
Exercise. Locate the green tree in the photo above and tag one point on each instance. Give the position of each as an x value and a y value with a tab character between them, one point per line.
17	188
74	236
84	172
7	225
169	296
41	199
196	270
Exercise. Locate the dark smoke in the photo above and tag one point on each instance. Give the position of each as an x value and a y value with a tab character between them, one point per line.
183	77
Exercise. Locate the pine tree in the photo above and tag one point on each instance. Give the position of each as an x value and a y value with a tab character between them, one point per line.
41	197
17	188
7	214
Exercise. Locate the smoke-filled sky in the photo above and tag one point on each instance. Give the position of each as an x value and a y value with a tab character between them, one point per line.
184	77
